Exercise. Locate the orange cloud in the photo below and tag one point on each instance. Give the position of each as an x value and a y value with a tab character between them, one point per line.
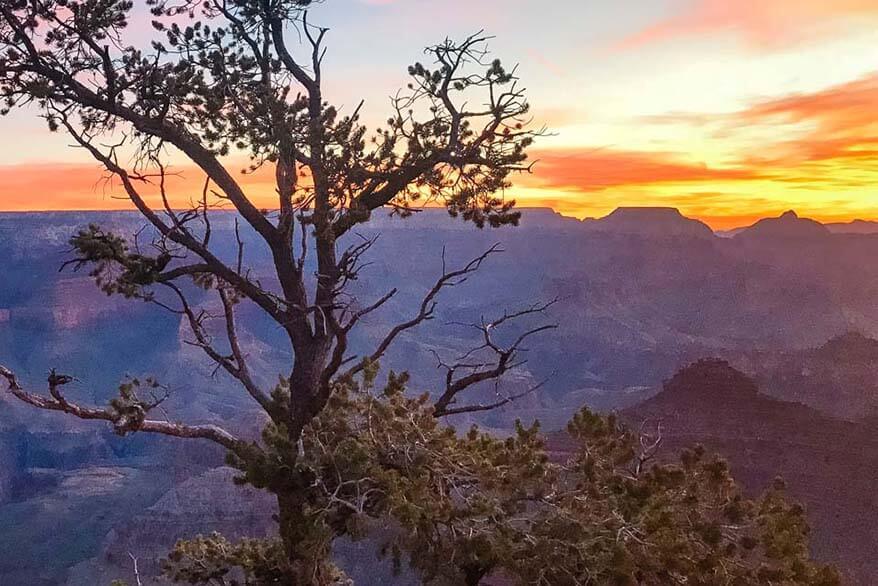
590	170
837	128
54	186
764	23
817	152
836	124
838	108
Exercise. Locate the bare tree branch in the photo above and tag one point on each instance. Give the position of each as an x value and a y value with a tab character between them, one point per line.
121	424
502	360
235	365
136	570
428	304
480	407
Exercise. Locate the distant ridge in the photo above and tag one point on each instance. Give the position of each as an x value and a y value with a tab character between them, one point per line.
655	221
788	226
853	227
839	377
820	458
650	221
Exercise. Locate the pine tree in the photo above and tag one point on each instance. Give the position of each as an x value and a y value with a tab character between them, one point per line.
465	507
222	78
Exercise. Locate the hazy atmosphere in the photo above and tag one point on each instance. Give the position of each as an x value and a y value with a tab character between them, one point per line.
406	292
727	110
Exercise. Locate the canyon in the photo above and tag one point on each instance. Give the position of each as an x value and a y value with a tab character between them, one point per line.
787	304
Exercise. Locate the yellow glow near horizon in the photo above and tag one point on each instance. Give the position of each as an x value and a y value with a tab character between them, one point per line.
728	111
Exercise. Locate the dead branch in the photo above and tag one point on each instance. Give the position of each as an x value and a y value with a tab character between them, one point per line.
463	373
235	365
428	304
121	424
136	570
479	407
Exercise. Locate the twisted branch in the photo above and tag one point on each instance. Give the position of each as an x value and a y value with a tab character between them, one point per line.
120	423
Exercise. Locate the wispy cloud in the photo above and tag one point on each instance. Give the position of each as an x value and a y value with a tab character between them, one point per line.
816	151
594	169
763	23
58	186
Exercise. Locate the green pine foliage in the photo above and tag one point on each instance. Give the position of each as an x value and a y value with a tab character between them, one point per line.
462	507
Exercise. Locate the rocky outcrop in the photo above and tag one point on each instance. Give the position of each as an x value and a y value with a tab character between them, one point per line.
650	222
789	226
828	464
854	227
201	505
839	377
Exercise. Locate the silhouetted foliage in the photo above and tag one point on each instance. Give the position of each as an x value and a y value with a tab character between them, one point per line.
464	507
220	78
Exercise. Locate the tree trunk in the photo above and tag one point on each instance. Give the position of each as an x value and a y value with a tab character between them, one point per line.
305	400
472	575
307	547
307	543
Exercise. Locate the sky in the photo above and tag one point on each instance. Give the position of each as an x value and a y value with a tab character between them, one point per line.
729	111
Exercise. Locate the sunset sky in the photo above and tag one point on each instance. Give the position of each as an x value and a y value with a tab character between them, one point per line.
729	110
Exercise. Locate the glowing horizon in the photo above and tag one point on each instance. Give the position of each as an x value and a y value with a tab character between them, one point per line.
727	111
70	181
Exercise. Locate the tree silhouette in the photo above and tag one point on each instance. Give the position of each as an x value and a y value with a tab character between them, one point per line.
220	78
